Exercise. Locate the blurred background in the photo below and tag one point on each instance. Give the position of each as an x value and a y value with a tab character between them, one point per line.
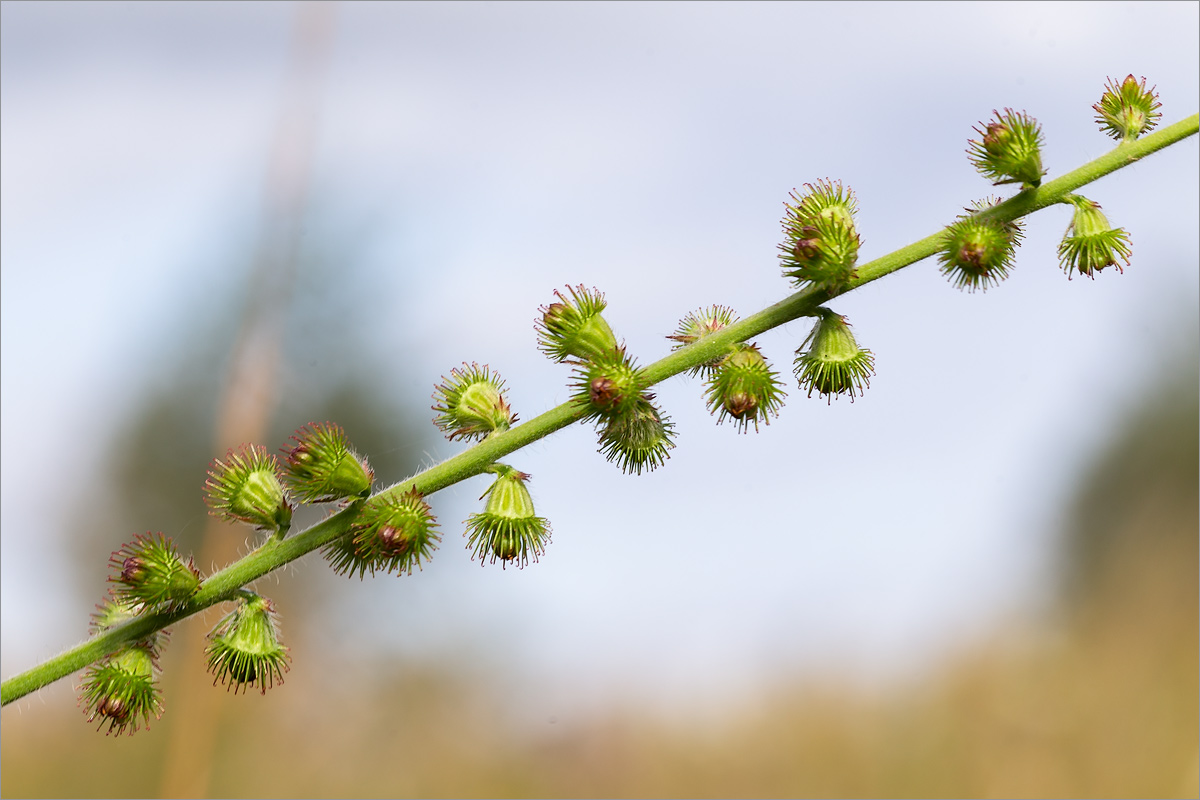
223	221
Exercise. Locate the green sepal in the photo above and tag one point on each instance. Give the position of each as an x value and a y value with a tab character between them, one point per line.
321	466
393	533
471	403
244	649
820	246
1128	110
639	438
121	690
744	388
148	573
608	387
508	529
245	487
1091	243
573	329
698	324
830	362
1009	150
977	251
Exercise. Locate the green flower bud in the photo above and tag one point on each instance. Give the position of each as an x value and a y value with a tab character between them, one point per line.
1090	243
609	386
825	199
471	404
321	467
744	388
393	533
508	529
830	361
1010	150
113	612
573	330
244	648
121	690
978	251
1127	111
148	573
820	246
245	487
698	324
638	438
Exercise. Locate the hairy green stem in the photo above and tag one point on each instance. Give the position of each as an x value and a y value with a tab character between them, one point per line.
228	582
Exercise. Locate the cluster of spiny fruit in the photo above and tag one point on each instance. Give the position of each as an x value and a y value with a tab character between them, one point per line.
244	651
395	530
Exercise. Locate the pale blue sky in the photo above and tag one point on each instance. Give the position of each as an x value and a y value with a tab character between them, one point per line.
500	151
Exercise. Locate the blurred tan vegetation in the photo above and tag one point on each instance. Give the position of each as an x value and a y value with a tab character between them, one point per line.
1099	699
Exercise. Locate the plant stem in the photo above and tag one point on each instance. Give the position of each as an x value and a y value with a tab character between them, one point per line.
228	582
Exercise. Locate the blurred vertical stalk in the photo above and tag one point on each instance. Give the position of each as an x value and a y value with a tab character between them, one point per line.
250	393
